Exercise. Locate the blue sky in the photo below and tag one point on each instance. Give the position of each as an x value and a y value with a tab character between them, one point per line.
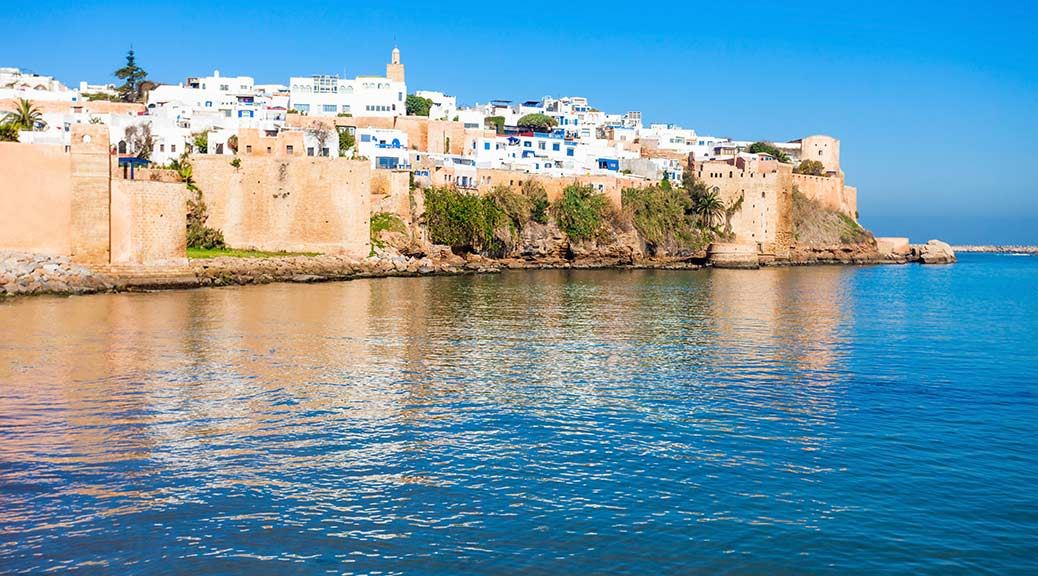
936	103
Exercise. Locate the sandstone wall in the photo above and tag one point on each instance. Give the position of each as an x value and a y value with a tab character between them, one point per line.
149	223
35	196
299	204
67	204
391	192
829	191
90	205
766	215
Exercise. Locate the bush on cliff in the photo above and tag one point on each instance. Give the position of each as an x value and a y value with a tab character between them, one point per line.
664	218
466	222
580	211
815	224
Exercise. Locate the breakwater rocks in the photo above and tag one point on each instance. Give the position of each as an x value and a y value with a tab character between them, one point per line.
26	274
998	249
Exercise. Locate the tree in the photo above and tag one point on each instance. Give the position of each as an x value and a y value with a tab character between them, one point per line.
418	106
810	167
132	76
708	207
139	140
537	122
25	116
232	143
769	148
8	133
495	122
346	142
321	134
200	141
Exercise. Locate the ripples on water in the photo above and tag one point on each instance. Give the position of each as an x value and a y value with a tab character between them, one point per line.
822	420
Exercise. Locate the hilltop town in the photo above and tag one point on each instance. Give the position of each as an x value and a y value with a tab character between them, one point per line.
98	177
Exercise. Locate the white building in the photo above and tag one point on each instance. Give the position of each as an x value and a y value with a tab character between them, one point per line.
360	96
443	107
384	147
15	83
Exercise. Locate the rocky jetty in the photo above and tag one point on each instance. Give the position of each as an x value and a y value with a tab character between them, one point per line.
998	249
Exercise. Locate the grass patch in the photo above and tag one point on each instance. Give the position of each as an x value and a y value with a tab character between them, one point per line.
385	221
235	253
815	224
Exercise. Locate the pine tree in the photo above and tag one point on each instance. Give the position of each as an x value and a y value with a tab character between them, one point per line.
133	77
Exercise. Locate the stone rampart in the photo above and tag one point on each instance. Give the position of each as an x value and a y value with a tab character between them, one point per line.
297	204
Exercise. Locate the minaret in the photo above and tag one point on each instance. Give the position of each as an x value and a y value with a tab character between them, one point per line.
395	70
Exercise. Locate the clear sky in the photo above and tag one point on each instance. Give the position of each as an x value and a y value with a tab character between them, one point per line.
936	103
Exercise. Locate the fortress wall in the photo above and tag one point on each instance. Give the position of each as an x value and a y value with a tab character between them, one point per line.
765	217
91	194
149	222
62	203
391	192
610	186
36	198
299	204
829	191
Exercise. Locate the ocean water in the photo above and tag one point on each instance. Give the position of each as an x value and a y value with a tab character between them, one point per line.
825	420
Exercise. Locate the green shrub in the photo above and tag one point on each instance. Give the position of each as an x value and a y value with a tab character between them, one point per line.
810	168
538	196
538	122
385	221
769	148
580	211
465	221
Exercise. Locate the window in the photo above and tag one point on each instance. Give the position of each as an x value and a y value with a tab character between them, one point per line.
325	152
365	138
527	144
328	108
219	148
268	149
309	150
555	147
302	107
248	148
486	145
540	145
162	147
569	151
172	147
289	149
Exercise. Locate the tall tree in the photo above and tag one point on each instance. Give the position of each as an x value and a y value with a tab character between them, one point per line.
134	78
25	116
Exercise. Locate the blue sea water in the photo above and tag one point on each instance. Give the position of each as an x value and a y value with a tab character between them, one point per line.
823	420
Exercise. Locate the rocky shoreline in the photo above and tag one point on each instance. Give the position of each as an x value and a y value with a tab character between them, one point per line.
24	274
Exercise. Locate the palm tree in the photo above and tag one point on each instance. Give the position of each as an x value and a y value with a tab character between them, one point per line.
709	207
25	116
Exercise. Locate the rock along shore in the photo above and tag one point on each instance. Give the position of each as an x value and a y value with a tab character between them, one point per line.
32	274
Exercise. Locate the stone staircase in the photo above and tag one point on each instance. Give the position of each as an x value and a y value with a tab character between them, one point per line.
133	277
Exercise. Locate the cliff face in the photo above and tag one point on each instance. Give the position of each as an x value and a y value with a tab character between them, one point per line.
824	235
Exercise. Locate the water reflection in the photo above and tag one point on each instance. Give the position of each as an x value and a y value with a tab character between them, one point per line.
525	421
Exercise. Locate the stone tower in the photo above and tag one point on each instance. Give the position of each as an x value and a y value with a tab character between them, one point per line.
395	70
